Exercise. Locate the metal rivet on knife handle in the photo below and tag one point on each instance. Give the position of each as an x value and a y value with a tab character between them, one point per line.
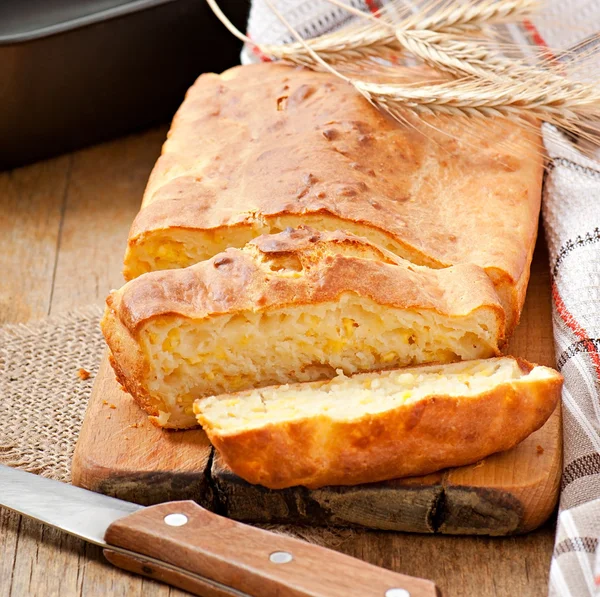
281	557
176	520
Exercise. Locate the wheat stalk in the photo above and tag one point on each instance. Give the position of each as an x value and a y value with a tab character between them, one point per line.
453	18
462	57
347	46
516	102
471	16
473	99
494	84
541	96
366	42
378	38
455	56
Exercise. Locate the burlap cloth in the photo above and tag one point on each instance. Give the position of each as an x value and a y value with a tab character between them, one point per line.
43	395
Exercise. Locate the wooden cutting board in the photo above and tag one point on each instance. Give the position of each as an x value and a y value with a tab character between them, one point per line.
121	454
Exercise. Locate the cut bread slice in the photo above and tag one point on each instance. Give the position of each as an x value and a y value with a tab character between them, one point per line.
378	426
291	307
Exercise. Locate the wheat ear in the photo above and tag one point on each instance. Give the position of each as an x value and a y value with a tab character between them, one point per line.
466	57
478	98
454	18
469	16
507	98
541	94
378	38
346	46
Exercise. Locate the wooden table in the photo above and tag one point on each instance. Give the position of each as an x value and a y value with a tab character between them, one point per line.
63	225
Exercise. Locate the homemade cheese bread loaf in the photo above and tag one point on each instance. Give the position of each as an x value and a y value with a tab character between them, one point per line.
295	306
378	426
263	147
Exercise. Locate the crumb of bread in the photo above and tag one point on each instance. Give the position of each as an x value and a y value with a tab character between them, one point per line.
363	395
105	402
83	374
539	450
234	351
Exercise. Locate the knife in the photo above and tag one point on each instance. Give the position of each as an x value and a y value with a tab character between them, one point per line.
185	545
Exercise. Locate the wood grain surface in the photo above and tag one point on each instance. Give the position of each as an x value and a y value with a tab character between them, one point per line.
506	493
44	273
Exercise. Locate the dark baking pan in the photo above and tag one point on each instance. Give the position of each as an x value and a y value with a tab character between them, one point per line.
76	72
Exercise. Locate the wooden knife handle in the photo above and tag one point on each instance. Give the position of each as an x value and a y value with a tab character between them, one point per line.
247	560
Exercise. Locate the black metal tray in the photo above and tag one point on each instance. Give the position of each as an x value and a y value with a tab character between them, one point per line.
76	72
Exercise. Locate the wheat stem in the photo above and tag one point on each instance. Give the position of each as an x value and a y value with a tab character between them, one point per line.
228	24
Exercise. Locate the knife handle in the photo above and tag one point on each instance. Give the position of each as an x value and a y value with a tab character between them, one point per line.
247	560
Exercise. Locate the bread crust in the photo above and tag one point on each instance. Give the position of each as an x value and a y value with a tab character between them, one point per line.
129	365
330	264
236	280
436	432
266	141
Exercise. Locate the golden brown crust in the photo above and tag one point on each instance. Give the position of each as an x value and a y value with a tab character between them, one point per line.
520	288
236	280
129	366
239	155
413	439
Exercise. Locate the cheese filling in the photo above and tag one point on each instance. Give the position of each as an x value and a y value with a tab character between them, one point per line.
346	398
228	353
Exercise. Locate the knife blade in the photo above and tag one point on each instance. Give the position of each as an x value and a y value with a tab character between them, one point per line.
187	546
77	511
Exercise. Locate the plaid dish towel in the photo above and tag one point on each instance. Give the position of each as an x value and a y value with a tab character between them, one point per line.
571	214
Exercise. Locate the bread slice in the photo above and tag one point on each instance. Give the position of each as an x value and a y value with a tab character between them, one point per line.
378	426
290	307
263	147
